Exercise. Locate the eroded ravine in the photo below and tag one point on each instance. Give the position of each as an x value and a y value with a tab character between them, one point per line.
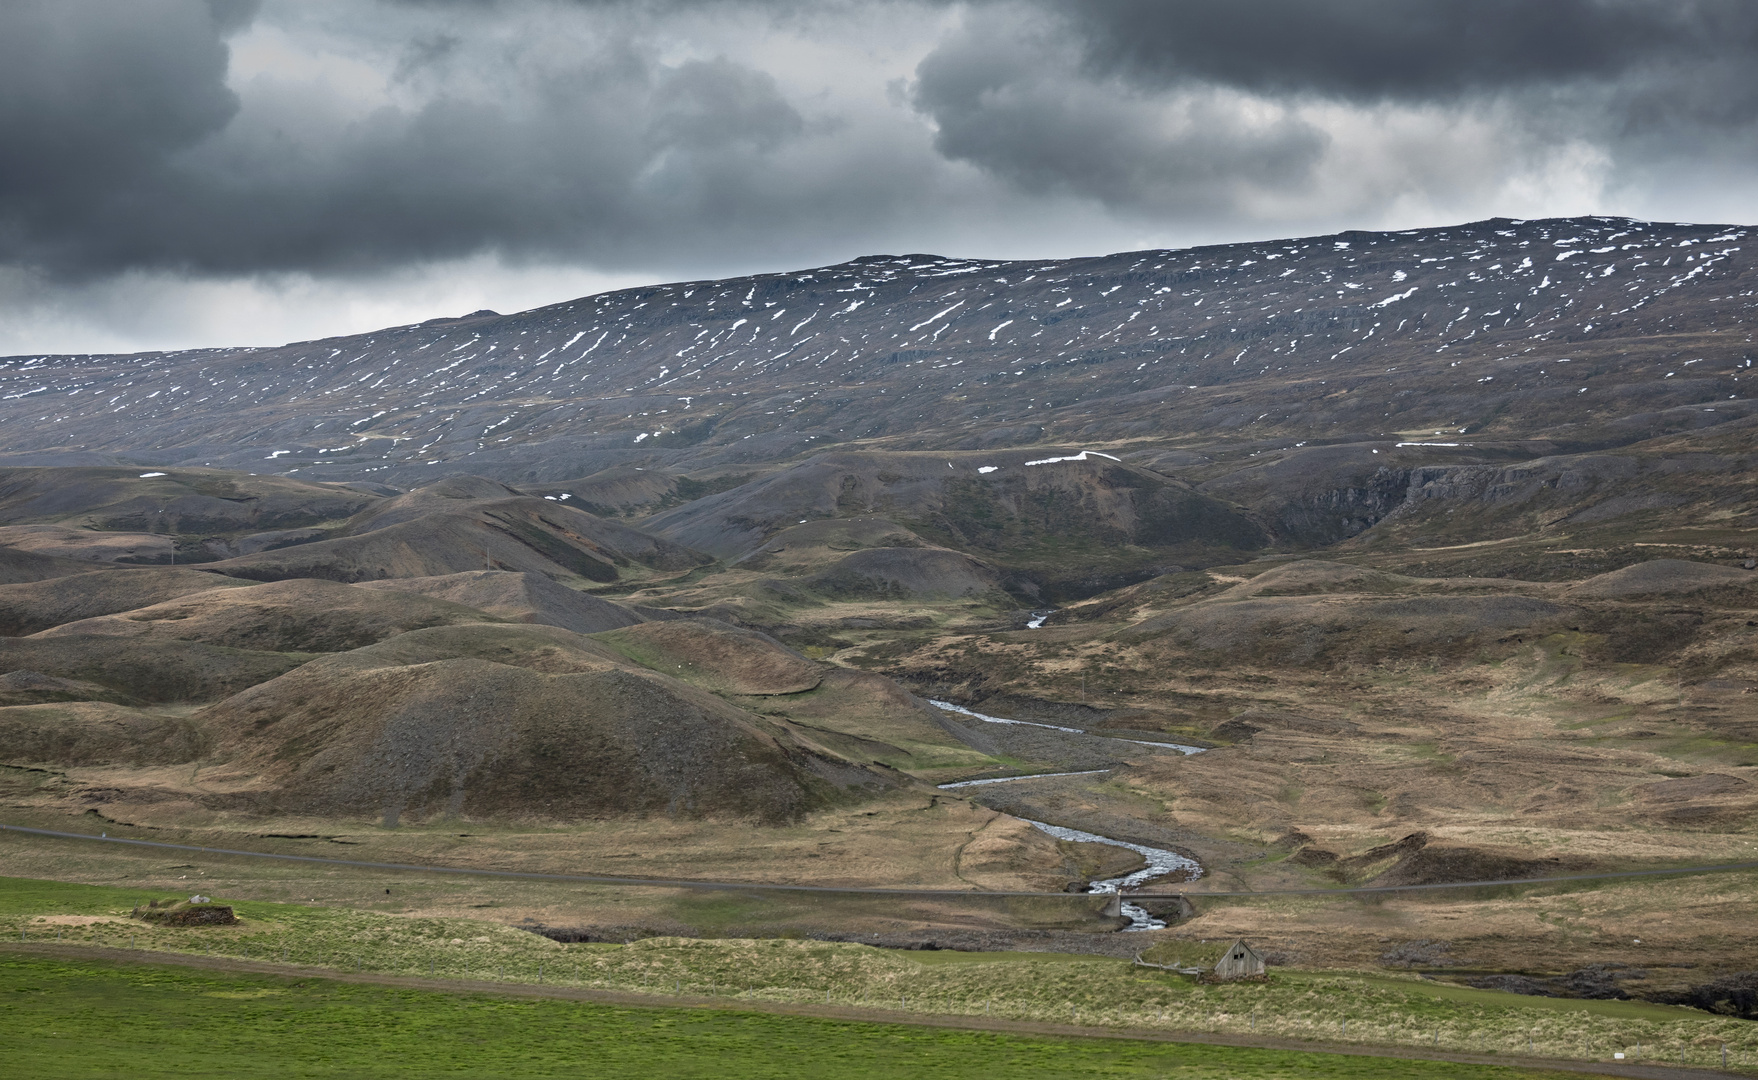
1161	861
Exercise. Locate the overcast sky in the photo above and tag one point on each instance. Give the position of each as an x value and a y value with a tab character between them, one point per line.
176	173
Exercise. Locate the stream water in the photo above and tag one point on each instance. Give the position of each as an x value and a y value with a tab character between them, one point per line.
987	719
1160	862
1009	779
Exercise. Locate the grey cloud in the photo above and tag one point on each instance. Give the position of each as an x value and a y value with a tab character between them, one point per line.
714	104
425	51
1434	49
94	96
1014	101
582	133
1649	82
596	153
1141	104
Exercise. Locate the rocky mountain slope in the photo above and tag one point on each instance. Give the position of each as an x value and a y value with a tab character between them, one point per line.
1456	335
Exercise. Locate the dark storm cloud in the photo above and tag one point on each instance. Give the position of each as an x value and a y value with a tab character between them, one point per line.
1014	101
1432	49
1187	108
94	95
126	149
595	164
571	130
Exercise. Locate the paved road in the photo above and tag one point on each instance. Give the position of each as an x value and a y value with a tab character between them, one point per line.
869	1015
689	883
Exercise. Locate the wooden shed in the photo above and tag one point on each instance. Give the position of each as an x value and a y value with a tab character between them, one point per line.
1240	961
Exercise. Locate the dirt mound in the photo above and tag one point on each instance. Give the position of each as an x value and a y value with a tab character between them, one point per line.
97	733
462	524
26	608
1436	864
717	656
531	598
821	539
1417	860
1662	577
869	717
163	671
1314	577
468	736
1514	984
192	912
906	573
283	616
1251	721
1686	788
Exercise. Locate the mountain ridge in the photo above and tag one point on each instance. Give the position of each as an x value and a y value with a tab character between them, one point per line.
920	352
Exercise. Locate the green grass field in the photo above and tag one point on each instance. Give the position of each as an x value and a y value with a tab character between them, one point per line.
1378	1009
63	1018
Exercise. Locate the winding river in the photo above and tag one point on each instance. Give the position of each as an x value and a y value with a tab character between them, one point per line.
1160	861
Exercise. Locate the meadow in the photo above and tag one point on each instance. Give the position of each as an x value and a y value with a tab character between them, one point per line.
1348	1007
73	1018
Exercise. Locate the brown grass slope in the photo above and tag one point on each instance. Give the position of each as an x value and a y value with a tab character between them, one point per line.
1009	508
159	670
23	566
96	733
25	687
531	598
811	545
897	573
549	649
1306	630
481	719
466	523
1667	577
284	616
177	500
355	733
87	545
869	717
1313	613
28	607
717	656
